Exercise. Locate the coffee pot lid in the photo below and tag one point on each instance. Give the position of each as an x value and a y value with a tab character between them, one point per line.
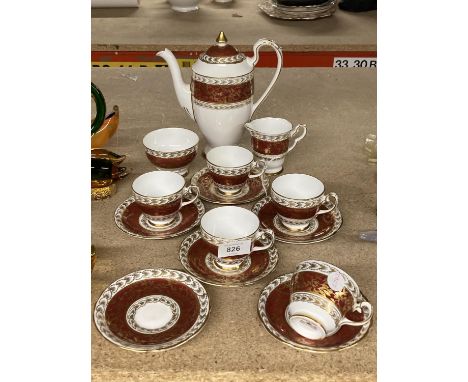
222	52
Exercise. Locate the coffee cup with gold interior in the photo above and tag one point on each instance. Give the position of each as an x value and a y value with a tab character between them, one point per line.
321	297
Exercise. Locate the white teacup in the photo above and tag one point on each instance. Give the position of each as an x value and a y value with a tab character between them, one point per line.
230	225
298	198
160	194
270	138
231	167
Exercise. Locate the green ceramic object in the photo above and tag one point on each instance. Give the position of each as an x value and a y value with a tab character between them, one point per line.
100	108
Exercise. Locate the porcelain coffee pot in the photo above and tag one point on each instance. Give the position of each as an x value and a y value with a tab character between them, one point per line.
220	96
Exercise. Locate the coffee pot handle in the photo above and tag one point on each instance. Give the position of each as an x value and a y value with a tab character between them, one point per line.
362	305
299	138
327	198
253	61
261	234
191	190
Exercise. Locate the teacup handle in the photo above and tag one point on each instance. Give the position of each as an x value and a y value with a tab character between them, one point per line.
327	198
194	190
261	235
261	165
299	138
359	306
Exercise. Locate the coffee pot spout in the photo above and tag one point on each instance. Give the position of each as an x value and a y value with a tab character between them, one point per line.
184	95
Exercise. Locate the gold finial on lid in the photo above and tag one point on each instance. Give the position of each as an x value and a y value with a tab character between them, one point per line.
221	38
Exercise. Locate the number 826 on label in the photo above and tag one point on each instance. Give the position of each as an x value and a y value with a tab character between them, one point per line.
355	62
236	248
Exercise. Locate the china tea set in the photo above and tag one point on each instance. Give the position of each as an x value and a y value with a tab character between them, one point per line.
317	308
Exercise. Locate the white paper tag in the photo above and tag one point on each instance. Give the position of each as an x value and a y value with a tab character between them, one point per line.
235	248
336	281
355	62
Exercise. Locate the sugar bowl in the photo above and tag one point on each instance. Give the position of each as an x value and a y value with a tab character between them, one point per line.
171	149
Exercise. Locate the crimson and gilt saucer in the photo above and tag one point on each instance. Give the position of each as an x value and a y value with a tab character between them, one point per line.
130	219
198	261
252	190
152	309
322	228
272	305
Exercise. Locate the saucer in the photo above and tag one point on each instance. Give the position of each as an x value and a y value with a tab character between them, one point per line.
322	227
152	309
251	191
311	12
130	219
272	305
196	259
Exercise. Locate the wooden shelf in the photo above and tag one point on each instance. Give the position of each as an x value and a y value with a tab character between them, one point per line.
154	26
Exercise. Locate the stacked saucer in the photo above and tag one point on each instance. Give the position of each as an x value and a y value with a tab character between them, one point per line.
298	10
